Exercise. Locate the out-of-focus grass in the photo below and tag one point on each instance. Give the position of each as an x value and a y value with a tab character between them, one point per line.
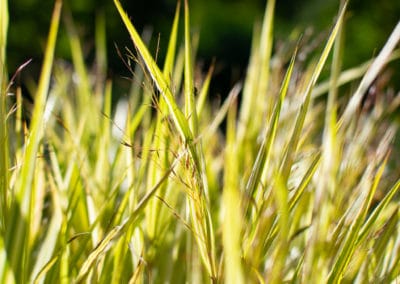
295	187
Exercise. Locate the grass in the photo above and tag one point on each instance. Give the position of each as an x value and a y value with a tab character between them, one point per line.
298	186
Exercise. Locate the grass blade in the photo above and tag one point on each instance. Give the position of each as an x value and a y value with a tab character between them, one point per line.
22	212
373	71
4	149
263	155
233	218
349	244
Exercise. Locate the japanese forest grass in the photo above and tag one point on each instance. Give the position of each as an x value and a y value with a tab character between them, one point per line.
299	186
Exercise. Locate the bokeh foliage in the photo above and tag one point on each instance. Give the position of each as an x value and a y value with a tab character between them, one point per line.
367	29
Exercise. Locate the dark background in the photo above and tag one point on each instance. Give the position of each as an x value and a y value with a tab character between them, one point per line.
225	29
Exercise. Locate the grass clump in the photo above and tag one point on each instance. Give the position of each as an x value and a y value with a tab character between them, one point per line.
298	187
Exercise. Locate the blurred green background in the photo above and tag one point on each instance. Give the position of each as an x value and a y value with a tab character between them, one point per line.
225	28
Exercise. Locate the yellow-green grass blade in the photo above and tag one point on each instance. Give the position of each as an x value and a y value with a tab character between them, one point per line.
293	143
85	102
260	164
47	249
159	157
22	210
315	231
265	50
179	69
305	181
293	201
383	246
104	245
102	167
350	75
6	273
233	217
368	225
350	243
101	51
263	155
171	51
395	269
4	147
281	199
221	114
330	143
184	128
204	91
249	97
373	71
256	102
177	116
190	105
3	34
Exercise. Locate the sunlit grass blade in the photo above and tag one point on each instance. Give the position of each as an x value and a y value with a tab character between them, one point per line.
4	140
104	245
281	249
84	89
101	51
22	210
293	201
162	183
288	158
233	217
350	75
377	211
265	50
373	71
305	181
223	110
384	238
263	155
177	116
256	102
349	245
44	259
158	77
190	105
202	96
249	97
161	141
171	50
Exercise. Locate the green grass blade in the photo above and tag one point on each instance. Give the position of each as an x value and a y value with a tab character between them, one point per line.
383	244
101	51
171	51
204	90
305	181
289	155
350	75
373	71
266	41
190	105
177	116
233	217
23	211
83	87
281	200
160	158
350	242
263	155
4	149
223	110
377	211
116	232
158	77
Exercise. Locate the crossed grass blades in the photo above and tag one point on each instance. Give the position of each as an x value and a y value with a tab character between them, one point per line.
299	187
